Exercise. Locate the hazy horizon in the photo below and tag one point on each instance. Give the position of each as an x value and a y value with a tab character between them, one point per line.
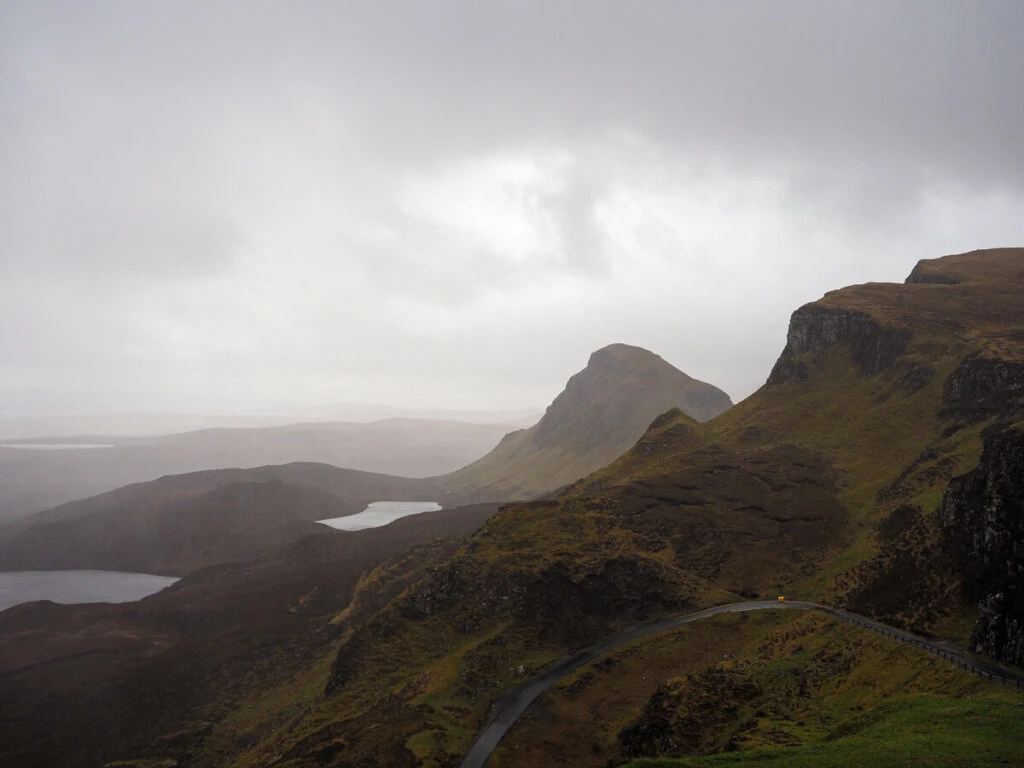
38	427
217	208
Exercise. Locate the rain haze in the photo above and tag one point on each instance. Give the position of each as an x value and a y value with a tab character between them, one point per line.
247	207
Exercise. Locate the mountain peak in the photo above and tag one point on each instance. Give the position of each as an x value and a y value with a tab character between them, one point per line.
603	410
620	352
625	357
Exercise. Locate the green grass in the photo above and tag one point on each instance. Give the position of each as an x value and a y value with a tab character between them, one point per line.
821	682
922	731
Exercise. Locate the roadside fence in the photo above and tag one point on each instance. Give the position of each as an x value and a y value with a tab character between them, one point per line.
959	660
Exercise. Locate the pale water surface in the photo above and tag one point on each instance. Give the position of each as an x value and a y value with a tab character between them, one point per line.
381	513
78	586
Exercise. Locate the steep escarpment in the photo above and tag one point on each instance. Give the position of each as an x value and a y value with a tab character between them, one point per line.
813	329
982	516
914	424
964	307
984	385
601	412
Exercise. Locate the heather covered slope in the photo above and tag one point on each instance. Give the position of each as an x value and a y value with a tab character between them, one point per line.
601	412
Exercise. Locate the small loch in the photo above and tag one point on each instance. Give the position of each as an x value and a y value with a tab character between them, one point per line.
381	513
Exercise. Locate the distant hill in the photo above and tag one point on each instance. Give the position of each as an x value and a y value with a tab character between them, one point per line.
34	480
181	523
602	412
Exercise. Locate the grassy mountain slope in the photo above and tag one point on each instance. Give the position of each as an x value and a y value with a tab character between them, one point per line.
824	483
601	412
178	524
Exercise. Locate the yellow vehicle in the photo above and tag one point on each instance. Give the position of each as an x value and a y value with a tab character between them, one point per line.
782	598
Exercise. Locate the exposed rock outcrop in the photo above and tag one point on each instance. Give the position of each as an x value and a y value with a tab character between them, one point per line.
814	328
982	517
982	386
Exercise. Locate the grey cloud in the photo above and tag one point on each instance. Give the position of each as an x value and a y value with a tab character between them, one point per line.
210	195
924	84
573	210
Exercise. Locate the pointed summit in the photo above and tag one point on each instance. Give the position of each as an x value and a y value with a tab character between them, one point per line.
601	413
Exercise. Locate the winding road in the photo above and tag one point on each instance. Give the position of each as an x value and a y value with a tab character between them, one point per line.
510	706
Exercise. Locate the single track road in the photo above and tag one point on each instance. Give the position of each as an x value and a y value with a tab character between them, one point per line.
510	706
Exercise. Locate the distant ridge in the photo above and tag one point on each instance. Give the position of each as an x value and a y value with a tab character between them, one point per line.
399	446
601	413
180	523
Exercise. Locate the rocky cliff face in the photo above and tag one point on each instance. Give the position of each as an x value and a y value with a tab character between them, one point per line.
814	328
982	517
982	386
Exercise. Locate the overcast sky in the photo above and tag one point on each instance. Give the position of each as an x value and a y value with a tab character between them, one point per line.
271	205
